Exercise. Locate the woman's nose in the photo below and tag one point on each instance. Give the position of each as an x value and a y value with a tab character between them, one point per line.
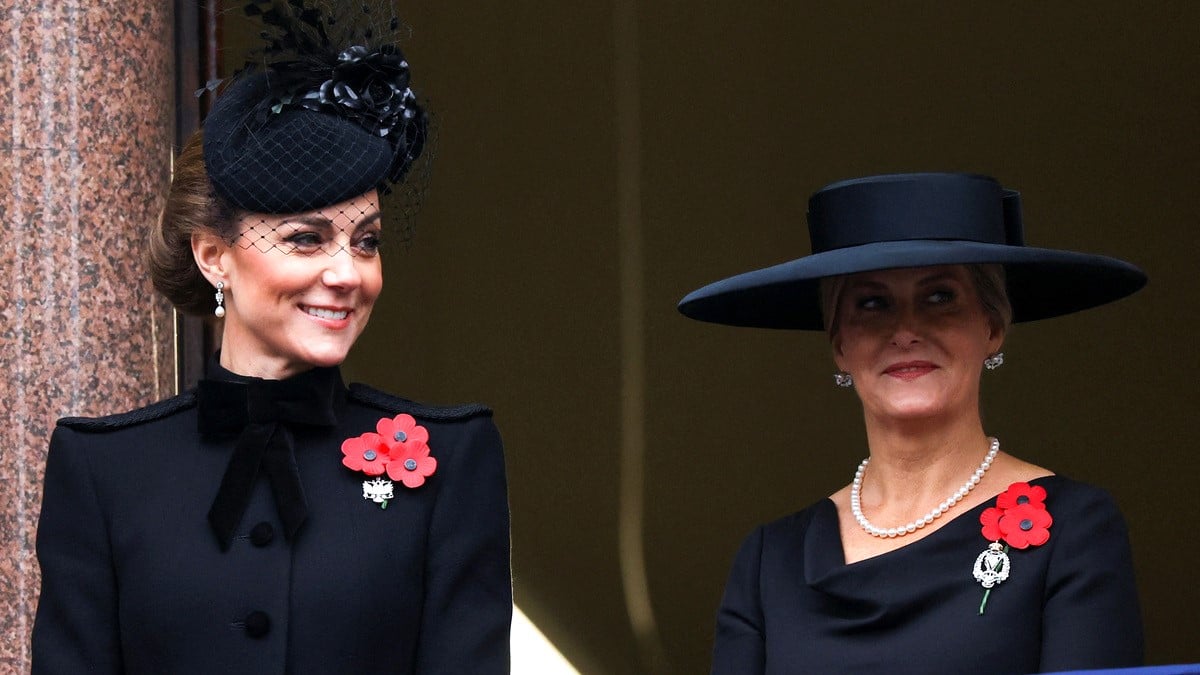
906	327
341	271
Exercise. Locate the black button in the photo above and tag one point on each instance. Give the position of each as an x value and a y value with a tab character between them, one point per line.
258	624
262	534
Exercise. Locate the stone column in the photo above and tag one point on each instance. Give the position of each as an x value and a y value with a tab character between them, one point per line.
85	140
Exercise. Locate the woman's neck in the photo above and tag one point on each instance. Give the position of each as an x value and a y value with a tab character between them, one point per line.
914	465
259	366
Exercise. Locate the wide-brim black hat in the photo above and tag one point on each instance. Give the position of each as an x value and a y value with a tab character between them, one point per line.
914	220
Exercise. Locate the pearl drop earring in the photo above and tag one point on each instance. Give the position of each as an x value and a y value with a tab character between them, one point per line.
219	312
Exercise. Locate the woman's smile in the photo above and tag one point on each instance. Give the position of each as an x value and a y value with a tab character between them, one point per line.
332	317
910	370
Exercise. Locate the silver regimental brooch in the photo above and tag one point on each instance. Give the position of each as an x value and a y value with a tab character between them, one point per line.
991	567
379	491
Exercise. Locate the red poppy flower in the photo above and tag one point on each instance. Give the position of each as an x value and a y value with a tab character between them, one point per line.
1026	525
411	464
1022	493
400	448
991	523
367	453
402	430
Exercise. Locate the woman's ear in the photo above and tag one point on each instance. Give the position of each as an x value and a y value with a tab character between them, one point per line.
835	344
211	254
996	338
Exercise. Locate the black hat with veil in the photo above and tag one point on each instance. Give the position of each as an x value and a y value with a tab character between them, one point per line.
321	114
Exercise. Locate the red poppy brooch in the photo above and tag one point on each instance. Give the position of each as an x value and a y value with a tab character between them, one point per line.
1020	520
398	447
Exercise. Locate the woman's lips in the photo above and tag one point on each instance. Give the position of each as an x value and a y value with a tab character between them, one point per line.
909	370
328	316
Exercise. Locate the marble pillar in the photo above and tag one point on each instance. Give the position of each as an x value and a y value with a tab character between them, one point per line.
85	139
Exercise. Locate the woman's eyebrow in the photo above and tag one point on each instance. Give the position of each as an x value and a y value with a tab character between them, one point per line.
869	284
312	219
370	218
938	277
317	220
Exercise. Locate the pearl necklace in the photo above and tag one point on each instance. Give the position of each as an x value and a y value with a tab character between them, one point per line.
856	501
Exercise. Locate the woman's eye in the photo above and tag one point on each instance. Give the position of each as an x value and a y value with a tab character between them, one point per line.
304	240
871	302
941	297
368	244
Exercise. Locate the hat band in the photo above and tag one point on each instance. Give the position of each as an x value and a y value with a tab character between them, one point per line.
857	214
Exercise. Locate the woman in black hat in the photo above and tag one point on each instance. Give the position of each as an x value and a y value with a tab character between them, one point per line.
944	554
274	520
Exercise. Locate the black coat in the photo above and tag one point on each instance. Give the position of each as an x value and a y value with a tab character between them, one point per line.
134	579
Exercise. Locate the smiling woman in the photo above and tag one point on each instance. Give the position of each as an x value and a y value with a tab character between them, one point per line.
937	308
915	278
275	520
305	285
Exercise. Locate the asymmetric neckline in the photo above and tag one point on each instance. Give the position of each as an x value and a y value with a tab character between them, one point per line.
825	552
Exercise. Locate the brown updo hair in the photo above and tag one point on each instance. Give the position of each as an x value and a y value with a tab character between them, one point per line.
988	279
192	208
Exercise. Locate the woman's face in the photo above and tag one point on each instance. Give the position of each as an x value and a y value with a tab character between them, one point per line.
914	339
300	288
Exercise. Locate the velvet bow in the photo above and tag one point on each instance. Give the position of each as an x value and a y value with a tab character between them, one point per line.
261	413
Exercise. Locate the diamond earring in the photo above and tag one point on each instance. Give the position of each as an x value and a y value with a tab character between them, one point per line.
219	312
843	379
994	361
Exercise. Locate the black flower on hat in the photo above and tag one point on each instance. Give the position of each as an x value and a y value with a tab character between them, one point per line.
369	87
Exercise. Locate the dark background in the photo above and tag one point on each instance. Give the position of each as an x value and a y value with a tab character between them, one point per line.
597	160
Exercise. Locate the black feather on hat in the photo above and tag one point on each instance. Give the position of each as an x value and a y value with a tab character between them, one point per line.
326	116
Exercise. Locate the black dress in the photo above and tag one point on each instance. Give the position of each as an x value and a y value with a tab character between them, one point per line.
141	576
793	606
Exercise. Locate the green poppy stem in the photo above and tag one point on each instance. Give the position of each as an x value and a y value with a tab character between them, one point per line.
988	591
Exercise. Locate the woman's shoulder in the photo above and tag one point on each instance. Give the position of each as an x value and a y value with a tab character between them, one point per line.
796	523
153	412
1084	514
371	397
1084	518
1067	493
783	538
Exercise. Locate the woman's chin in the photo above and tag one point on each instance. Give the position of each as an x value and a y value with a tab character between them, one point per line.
327	359
325	356
913	410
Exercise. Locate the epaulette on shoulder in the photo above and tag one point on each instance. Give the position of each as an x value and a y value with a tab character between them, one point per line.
149	413
394	404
